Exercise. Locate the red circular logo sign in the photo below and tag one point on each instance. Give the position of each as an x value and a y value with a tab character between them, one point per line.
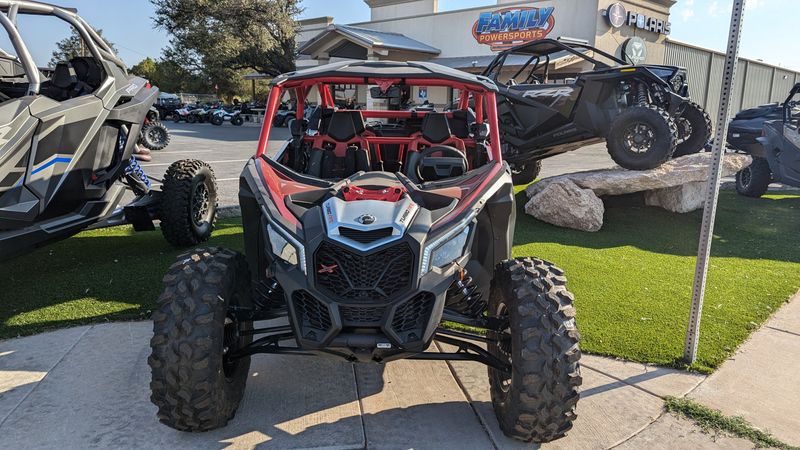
508	27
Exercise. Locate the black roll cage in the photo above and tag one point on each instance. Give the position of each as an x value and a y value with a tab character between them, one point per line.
551	46
787	104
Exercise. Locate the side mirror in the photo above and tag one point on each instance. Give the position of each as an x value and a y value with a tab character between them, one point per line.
479	130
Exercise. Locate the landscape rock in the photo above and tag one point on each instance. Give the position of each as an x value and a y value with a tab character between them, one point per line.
618	181
564	204
573	200
680	199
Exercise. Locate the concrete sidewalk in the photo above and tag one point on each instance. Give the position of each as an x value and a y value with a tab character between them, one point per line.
761	381
87	387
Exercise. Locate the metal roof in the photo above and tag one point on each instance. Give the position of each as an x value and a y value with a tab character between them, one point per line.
386	69
371	38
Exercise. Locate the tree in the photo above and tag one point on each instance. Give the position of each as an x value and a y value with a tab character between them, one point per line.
215	37
146	68
72	46
171	77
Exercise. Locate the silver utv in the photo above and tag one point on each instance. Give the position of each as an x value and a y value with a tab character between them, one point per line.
68	146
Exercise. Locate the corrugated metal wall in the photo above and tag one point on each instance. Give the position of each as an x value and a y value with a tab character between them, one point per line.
756	83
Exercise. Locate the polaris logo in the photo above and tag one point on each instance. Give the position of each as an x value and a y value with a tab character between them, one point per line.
327	269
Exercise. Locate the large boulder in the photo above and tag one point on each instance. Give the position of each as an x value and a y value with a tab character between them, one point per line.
680	199
565	204
573	200
618	181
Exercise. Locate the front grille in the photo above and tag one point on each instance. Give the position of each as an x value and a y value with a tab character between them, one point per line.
313	316
365	237
360	315
413	315
379	276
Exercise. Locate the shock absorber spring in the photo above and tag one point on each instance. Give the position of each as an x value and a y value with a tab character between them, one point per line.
464	297
136	177
641	95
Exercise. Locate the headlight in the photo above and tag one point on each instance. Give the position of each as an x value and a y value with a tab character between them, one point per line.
450	250
286	248
446	249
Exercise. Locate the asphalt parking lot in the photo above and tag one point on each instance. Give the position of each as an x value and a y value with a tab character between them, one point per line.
228	147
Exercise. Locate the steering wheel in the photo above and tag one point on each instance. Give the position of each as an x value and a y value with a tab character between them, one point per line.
451	160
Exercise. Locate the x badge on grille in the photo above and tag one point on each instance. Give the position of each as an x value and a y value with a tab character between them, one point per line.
327	269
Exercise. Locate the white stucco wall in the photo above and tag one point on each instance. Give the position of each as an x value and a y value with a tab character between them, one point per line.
401	9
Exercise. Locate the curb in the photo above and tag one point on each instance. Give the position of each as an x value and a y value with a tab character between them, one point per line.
228	211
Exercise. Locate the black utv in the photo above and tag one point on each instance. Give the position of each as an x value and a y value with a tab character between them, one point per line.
775	150
68	150
642	112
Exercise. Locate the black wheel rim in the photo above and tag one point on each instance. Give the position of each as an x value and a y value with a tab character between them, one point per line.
503	351
684	129
745	177
201	204
639	138
156	135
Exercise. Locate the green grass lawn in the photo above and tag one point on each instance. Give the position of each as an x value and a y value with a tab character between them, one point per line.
632	280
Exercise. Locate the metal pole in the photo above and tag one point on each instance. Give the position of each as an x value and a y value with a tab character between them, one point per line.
715	172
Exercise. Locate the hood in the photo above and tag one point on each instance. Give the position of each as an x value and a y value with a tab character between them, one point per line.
770	111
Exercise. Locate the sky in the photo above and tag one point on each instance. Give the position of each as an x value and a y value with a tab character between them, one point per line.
128	24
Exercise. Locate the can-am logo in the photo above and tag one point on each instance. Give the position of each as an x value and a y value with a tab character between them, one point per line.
505	28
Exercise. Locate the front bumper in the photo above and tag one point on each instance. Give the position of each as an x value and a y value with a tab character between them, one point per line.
399	315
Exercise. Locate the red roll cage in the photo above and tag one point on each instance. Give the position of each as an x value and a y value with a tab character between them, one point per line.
485	106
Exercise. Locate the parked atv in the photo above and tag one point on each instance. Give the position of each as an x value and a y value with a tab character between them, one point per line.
154	135
181	115
198	115
776	154
283	115
167	104
219	116
66	163
550	104
367	264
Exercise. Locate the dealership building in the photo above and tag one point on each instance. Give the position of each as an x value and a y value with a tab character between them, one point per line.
468	39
